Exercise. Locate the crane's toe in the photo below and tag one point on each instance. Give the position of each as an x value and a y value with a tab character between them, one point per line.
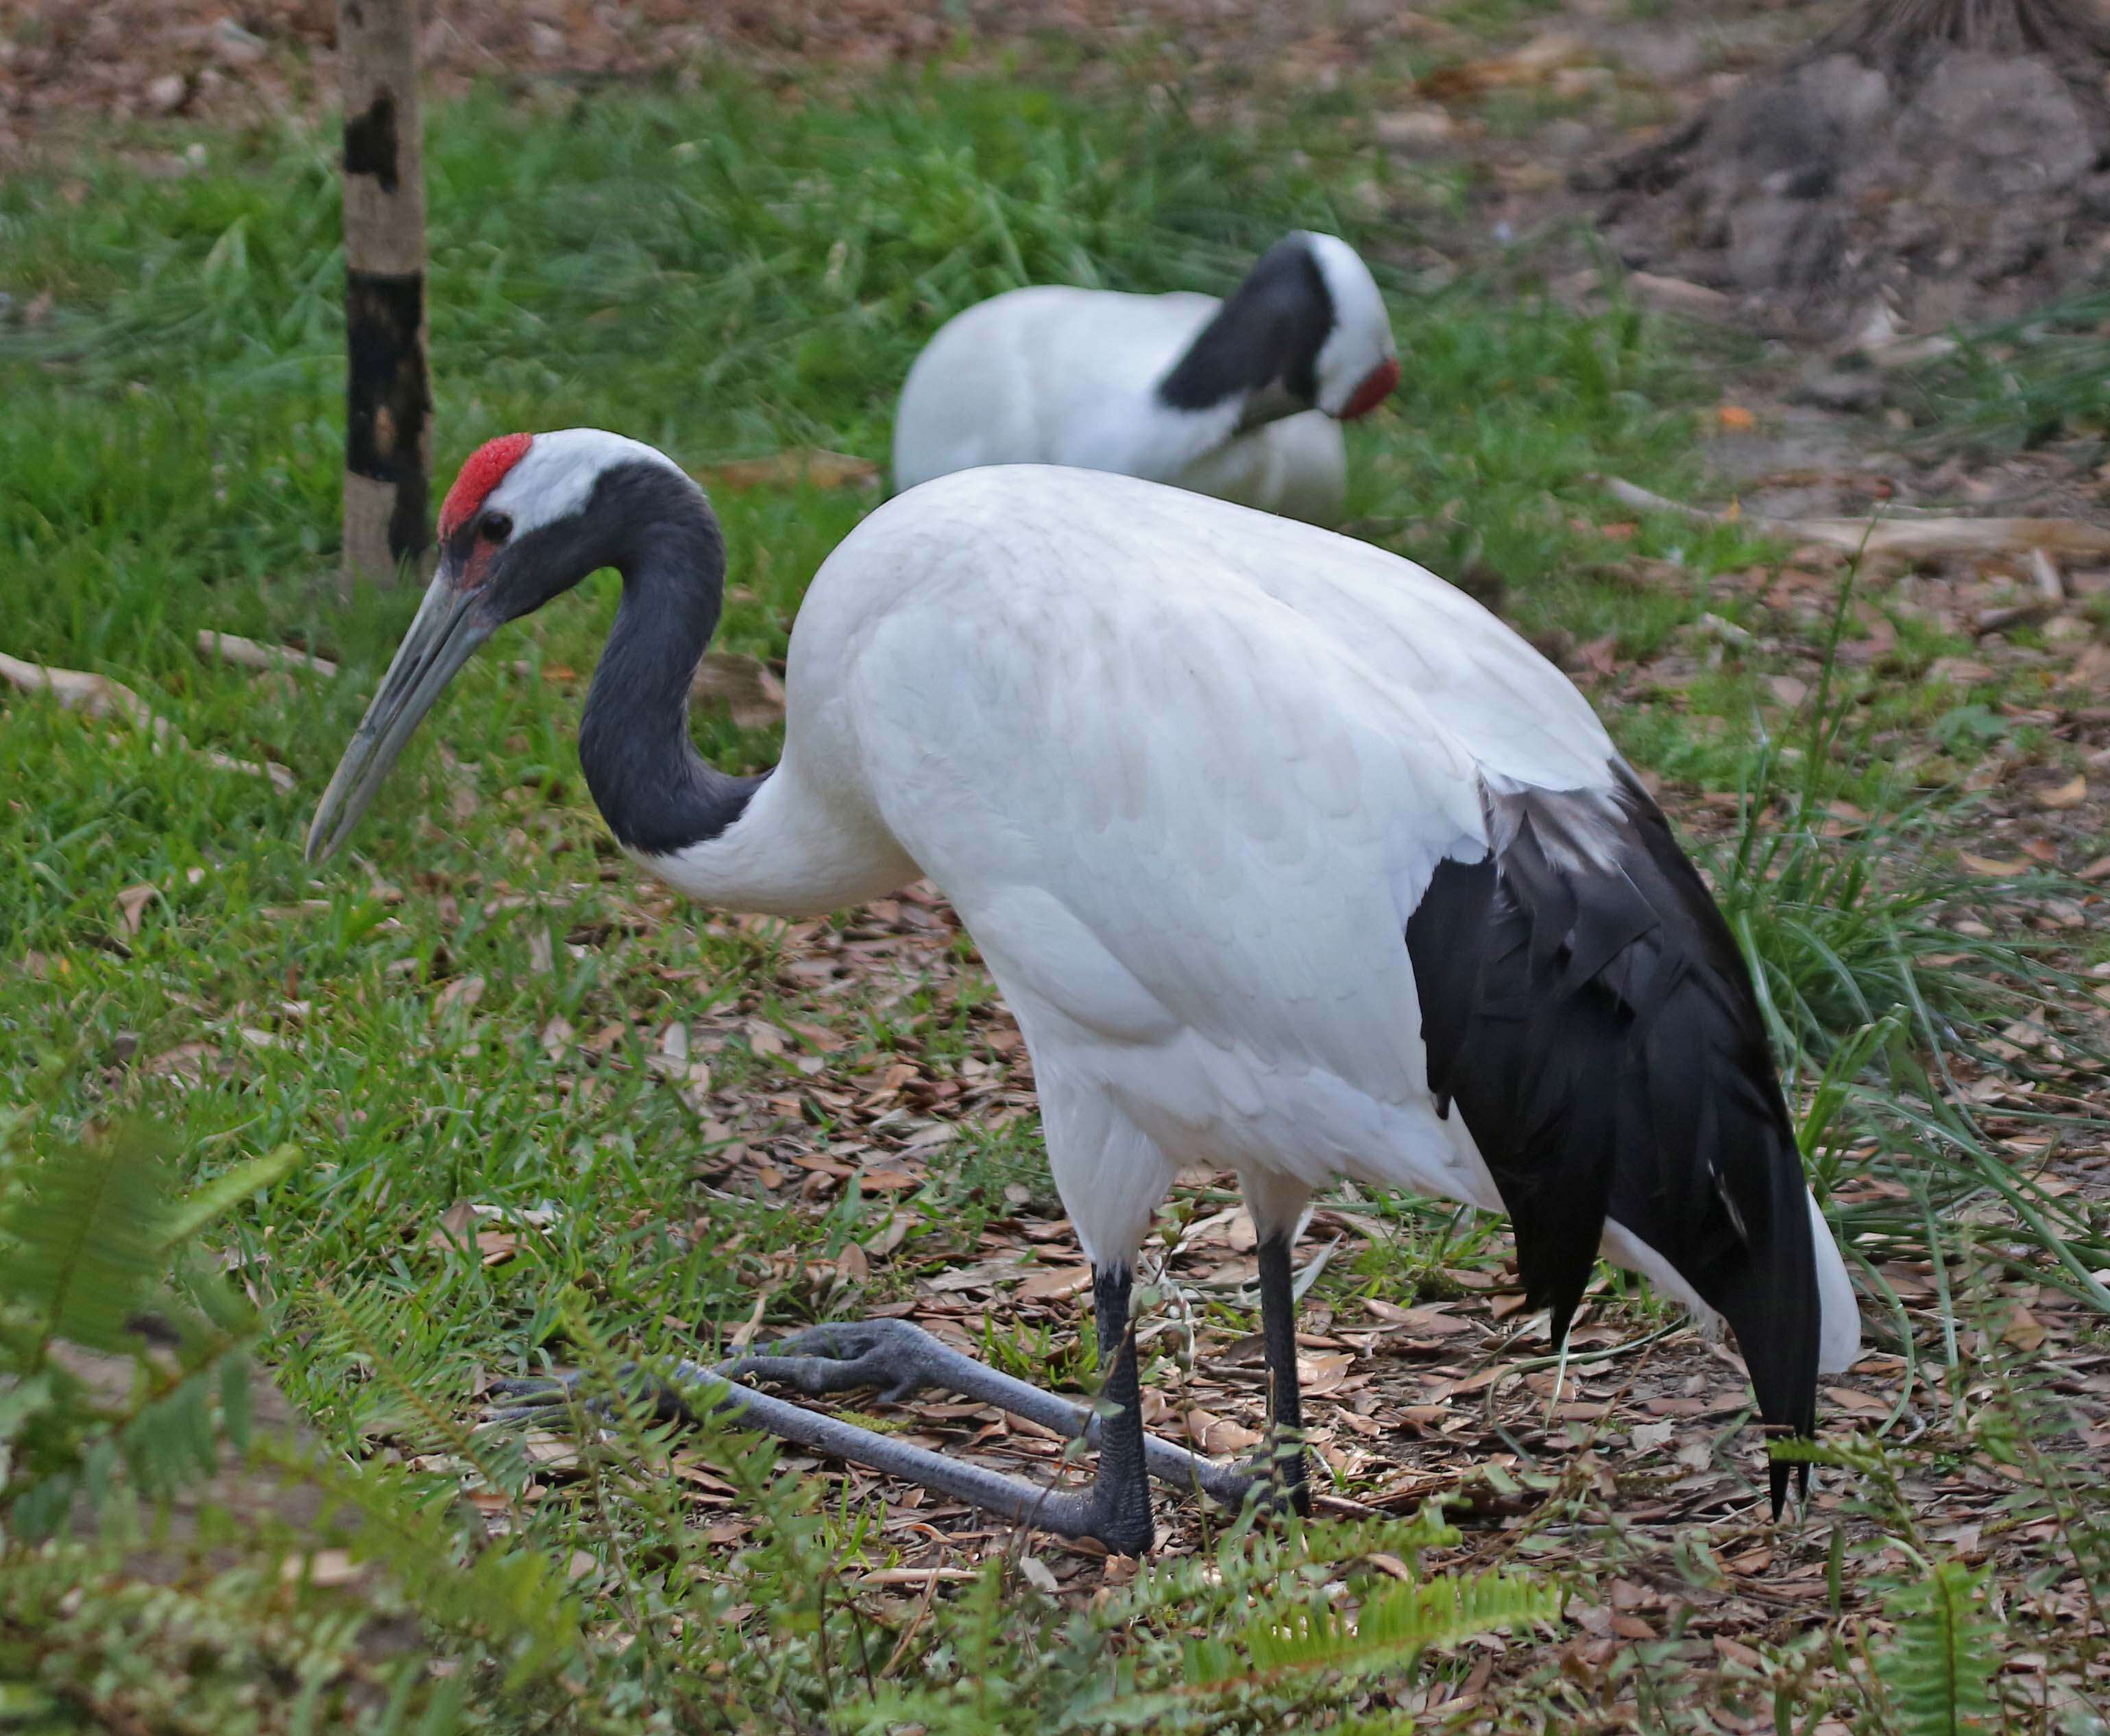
547	1398
890	1356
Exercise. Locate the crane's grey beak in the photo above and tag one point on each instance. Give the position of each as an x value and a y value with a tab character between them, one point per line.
449	627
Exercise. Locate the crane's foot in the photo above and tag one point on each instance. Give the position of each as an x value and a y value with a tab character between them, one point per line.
1115	1511
898	1360
893	1358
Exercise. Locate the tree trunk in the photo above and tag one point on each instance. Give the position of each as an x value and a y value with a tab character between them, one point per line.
1893	33
388	400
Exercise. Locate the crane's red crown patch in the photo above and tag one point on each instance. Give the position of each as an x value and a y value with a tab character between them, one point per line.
484	471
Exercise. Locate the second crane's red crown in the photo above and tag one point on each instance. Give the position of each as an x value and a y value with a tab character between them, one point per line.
485	469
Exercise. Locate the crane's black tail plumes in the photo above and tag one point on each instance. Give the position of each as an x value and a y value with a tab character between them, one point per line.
1586	1008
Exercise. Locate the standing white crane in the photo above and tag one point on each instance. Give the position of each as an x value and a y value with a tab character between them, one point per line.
1240	398
1286	856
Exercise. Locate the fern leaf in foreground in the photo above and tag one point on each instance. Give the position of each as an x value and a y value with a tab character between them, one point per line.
1391	1630
1939	1669
1294	1646
84	1241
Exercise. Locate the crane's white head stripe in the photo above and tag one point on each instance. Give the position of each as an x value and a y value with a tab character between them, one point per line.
555	477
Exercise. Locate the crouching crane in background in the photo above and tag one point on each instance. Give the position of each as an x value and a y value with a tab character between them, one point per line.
1242	398
1288	857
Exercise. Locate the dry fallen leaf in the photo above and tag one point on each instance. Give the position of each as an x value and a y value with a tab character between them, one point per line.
497	1246
1432	1321
814	464
323	1567
551	1452
463	991
1410	128
888	1181
745	686
452	1229
1038	1575
1322	1374
2070	795
132	904
1055	1283
1991	868
2024	1331
185	1063
1222	1435
1677	295
890	1235
1534	63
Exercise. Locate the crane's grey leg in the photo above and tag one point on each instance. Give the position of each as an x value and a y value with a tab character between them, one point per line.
898	1359
1285	1405
901	1359
1119	1497
1115	1509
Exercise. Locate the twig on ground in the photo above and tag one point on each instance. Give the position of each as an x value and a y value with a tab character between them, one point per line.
1989	621
234	648
1909	538
2050	582
79	690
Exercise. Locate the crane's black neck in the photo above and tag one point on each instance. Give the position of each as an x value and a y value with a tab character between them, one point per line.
657	793
1268	333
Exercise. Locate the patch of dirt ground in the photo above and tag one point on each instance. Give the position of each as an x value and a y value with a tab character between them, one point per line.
1958	186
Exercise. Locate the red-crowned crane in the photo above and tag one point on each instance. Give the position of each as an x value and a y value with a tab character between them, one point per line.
1240	398
1288	858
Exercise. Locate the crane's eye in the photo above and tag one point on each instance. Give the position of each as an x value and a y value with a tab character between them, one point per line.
495	528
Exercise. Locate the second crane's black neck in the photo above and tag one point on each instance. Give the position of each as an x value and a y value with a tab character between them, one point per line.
1268	333
658	795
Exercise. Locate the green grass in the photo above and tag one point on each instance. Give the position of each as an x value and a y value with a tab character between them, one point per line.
172	438
2025	382
724	274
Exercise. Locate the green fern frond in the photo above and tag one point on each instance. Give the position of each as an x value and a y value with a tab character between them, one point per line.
1938	1669
221	1195
363	1325
1391	1630
84	1234
1293	1646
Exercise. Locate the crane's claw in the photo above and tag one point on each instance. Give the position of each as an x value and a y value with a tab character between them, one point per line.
546	1397
889	1355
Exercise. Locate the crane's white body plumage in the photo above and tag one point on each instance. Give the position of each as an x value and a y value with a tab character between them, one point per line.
1061	376
1248	745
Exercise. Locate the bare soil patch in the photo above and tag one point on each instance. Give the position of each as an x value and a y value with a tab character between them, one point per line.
1911	182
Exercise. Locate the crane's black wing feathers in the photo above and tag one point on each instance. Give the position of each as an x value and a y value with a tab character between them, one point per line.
1585	1009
